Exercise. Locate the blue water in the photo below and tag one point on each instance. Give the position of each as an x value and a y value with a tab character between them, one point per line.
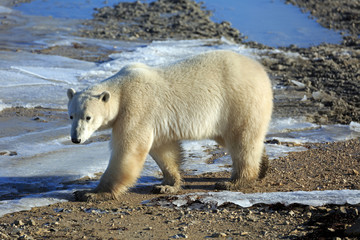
79	9
270	22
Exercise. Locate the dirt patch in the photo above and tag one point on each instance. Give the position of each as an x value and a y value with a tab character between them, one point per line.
323	166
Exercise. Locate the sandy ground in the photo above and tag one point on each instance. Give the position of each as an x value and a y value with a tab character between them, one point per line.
329	77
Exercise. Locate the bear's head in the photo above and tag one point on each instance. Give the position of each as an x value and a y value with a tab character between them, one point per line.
88	113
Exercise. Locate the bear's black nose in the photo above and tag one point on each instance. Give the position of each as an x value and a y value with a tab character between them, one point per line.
75	140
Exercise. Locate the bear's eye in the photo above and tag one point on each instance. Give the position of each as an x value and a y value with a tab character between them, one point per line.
71	117
88	118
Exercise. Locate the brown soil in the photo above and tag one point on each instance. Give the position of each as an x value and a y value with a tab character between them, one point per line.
323	166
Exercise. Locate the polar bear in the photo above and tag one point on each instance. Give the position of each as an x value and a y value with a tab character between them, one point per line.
217	95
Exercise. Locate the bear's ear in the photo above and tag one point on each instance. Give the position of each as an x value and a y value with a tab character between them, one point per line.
105	96
70	93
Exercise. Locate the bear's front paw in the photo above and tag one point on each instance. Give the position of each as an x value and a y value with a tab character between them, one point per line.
166	189
90	196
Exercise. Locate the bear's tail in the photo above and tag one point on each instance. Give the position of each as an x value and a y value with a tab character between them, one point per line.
264	165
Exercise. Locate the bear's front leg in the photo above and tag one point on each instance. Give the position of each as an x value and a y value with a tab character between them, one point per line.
168	157
122	172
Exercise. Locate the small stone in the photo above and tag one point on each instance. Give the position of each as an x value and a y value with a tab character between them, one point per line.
180	235
291	213
244	233
31	222
354	230
217	235
343	210
8	153
355	172
19	223
148	228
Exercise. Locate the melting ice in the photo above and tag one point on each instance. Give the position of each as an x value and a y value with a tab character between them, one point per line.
45	158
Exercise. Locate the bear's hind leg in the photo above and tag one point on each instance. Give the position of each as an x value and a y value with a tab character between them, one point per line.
168	157
246	165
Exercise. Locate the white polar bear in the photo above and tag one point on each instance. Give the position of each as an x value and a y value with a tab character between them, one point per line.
217	95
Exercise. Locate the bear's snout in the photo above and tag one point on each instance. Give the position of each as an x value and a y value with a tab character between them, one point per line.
76	140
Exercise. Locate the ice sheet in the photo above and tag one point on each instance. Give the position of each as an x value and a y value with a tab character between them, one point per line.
300	131
164	52
40	80
216	199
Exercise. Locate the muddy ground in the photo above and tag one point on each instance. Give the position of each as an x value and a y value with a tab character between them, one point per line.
328	75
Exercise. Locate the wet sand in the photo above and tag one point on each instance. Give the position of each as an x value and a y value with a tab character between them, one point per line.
327	74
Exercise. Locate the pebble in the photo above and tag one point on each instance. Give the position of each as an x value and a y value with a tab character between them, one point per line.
19	223
180	235
354	230
217	235
292	213
244	233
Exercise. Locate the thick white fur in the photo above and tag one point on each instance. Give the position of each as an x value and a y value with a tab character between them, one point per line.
217	95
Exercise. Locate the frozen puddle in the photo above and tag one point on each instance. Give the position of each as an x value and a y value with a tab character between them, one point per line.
45	158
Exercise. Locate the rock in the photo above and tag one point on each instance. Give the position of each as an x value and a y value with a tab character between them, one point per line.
7	153
31	222
355	172
19	223
342	210
4	236
354	230
180	235
218	235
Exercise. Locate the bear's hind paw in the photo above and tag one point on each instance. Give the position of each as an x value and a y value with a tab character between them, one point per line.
166	189
89	196
230	186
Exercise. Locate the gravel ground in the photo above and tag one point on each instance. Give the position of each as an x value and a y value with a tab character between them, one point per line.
322	167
